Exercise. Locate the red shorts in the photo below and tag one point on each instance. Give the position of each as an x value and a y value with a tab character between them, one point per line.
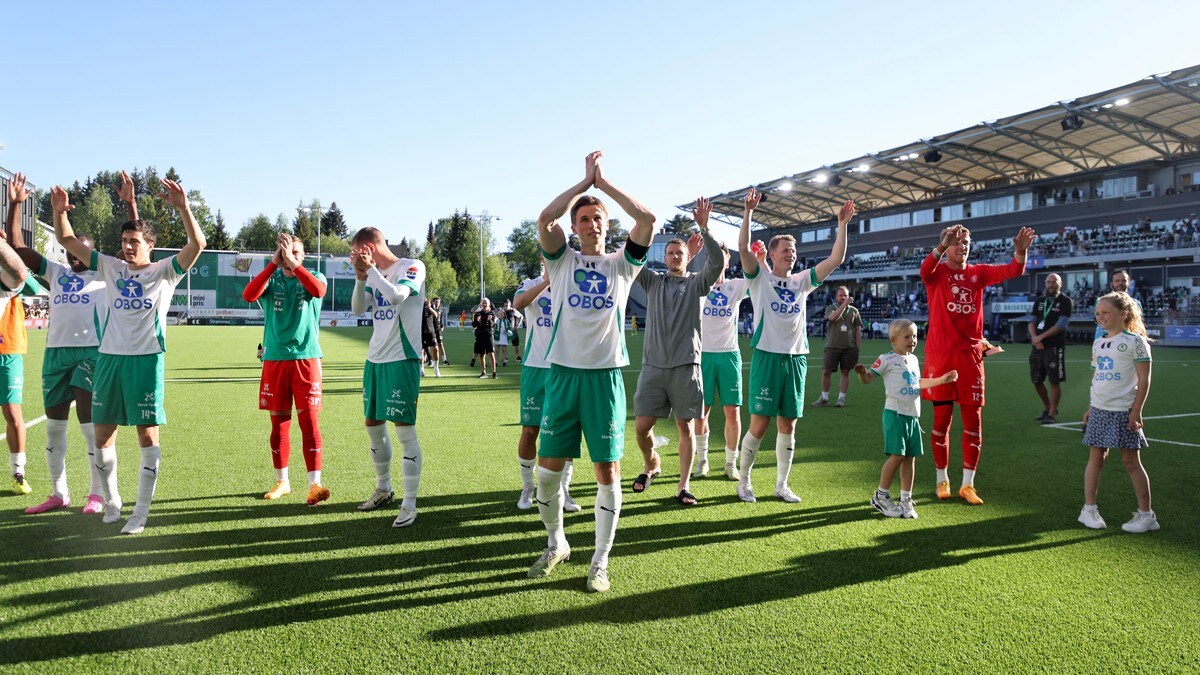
286	381
969	388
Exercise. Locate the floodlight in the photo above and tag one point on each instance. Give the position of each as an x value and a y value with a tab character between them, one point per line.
933	156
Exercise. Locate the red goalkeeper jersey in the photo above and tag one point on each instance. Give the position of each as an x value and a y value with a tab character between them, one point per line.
956	301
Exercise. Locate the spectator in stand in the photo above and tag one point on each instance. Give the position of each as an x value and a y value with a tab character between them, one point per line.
1048	337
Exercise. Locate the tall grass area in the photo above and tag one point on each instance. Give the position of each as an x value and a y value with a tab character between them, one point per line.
222	580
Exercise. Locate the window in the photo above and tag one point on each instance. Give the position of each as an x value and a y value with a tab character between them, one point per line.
1119	187
1025	201
954	212
923	217
887	222
992	207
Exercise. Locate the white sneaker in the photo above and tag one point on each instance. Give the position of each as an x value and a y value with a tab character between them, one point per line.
112	513
907	509
841	403
525	502
597	579
569	504
1090	517
549	559
745	493
701	470
377	499
134	525
732	473
407	516
1141	522
785	493
886	506
437	371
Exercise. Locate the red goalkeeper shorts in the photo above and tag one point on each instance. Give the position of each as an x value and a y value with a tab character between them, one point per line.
286	381
969	388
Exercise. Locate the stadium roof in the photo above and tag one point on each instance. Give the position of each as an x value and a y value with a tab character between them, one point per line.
1157	117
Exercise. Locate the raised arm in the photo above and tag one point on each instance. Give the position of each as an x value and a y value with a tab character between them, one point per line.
12	268
749	260
174	195
295	264
127	194
714	264
838	255
642	231
60	203
550	234
17	194
360	301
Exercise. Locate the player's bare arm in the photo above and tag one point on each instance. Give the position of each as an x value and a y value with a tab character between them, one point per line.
838	255
17	194
642	231
749	259
176	196
61	205
127	194
550	234
12	268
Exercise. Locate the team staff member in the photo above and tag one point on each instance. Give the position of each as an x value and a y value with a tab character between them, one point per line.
484	322
1048	335
843	335
15	281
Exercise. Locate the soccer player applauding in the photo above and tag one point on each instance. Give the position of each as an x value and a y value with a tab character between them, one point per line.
955	292
290	297
128	385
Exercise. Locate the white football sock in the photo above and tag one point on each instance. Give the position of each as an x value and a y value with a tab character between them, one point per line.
906	495
731	457
785	451
56	456
842	396
608	511
282	474
16	462
381	456
147	479
567	472
410	453
526	470
749	454
942	475
881	490
89	437
702	448
314	477
106	465
968	477
550	506
824	396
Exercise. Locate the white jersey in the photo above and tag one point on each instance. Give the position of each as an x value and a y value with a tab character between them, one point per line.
539	324
780	315
590	293
901	375
719	314
396	335
136	304
75	300
1114	376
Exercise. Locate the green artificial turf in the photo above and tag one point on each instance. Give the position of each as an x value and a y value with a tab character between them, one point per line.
222	580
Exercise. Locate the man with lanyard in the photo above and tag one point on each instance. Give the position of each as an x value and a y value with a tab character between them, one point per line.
1048	337
585	393
721	367
484	322
533	298
70	358
843	335
670	380
393	290
129	381
290	298
780	342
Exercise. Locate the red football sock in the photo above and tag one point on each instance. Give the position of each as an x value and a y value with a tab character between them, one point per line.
281	441
972	436
310	433
939	436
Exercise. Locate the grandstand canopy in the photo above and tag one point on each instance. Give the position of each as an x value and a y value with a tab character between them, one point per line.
1157	117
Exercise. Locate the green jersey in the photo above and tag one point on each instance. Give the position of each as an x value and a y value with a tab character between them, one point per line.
291	319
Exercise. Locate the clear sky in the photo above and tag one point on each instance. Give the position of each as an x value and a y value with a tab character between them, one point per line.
402	112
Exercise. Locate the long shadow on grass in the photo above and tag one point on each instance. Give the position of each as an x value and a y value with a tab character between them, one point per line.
331	584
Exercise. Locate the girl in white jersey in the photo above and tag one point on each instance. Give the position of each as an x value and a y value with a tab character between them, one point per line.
1120	385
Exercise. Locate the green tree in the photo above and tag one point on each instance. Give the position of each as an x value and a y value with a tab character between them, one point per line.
258	234
526	252
334	245
440	278
94	217
41	237
302	226
499	276
219	239
679	224
333	222
616	236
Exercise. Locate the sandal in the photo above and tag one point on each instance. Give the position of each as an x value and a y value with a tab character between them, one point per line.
644	480
686	498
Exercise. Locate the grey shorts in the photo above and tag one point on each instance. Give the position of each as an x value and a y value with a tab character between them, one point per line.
661	391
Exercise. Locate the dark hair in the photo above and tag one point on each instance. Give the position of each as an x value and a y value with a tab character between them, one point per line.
368	234
142	226
586	200
677	240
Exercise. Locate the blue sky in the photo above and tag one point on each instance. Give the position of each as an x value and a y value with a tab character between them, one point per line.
403	112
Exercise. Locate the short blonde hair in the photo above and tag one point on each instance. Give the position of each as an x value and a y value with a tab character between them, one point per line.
778	238
898	325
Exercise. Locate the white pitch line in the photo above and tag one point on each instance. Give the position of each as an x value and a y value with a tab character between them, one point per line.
32	423
1073	427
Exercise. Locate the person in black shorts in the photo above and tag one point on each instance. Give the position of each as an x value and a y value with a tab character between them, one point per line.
429	338
439	315
484	322
1048	334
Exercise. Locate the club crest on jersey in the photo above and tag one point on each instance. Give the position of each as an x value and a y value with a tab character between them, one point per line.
878	362
129	288
70	283
591	281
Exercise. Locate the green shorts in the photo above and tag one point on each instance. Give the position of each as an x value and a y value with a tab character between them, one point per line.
777	384
127	390
65	369
722	374
533	394
584	405
12	378
390	390
901	434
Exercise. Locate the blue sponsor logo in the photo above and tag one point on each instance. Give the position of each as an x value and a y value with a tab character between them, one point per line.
785	294
380	301
1104	363
544	304
131	296
129	288
594	285
718	299
71	285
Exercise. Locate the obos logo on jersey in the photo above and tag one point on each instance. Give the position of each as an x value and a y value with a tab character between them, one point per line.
787	301
544	304
720	304
1104	369
131	295
383	309
961	302
593	287
914	381
72	285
